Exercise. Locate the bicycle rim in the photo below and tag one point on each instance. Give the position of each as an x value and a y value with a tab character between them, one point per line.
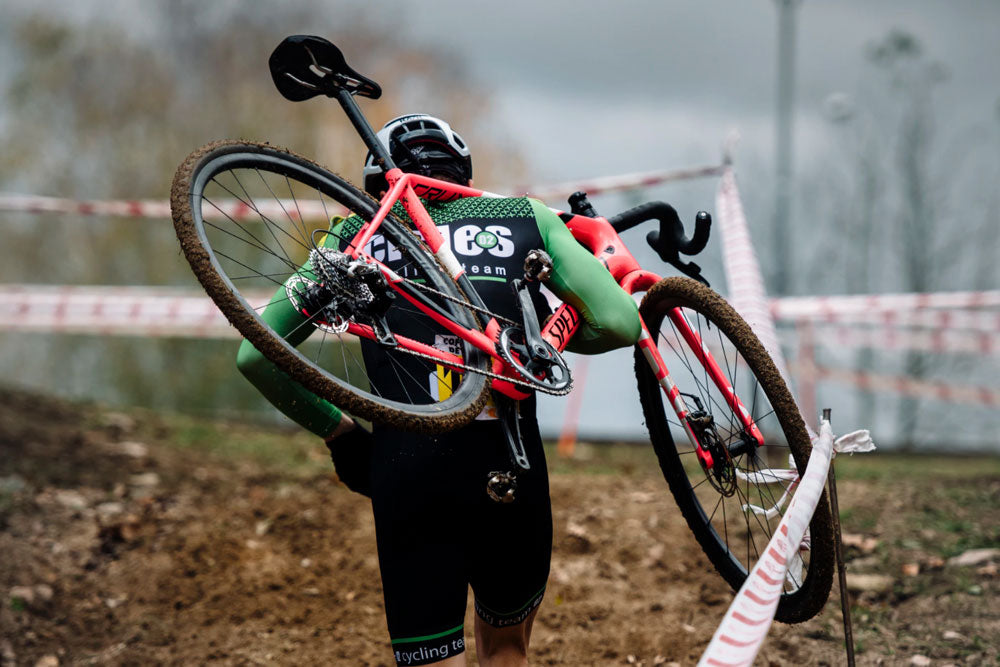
734	509
251	216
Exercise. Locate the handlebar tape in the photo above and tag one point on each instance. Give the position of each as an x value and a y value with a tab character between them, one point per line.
670	238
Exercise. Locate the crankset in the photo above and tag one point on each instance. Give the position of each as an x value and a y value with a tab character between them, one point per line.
533	357
502	486
548	373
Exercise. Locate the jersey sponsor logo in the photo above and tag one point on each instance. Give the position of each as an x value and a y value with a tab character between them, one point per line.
430	653
486	240
382	250
444	380
470	240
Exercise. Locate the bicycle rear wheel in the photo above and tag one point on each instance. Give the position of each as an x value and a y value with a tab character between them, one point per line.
251	219
734	509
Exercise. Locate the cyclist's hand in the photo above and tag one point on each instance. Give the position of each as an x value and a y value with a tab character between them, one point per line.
351	453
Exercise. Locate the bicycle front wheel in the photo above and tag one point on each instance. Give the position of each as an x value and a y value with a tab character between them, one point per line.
734	508
258	226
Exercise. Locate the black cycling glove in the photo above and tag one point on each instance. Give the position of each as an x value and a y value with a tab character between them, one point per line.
352	458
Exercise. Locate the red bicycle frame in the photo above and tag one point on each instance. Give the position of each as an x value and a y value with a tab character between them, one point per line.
597	235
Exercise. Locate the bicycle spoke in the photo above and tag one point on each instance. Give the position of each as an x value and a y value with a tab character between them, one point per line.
268	223
259	245
396	366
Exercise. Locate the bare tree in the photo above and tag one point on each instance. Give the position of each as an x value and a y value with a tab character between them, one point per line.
93	112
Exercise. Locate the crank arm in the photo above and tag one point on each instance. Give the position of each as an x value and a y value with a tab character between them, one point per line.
537	349
507	412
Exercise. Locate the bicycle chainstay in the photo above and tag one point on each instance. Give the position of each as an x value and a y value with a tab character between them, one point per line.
490	374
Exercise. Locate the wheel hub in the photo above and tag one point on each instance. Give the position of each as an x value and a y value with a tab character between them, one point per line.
722	473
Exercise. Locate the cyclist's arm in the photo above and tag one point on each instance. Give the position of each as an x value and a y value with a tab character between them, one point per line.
610	317
292	399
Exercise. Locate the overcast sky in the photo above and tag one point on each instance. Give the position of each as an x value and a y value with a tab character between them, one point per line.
604	87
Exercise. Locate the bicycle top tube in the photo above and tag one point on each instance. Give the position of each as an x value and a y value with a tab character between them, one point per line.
596	234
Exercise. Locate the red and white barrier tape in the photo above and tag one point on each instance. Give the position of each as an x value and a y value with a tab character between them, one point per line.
908	386
986	321
129	311
743	276
835	308
318	210
607	184
892	338
236	209
745	625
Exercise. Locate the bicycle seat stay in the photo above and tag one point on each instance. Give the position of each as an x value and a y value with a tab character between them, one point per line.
304	66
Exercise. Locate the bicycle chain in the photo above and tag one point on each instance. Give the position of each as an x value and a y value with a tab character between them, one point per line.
466	304
465	367
509	358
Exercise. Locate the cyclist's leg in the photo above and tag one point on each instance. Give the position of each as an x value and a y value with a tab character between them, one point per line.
419	530
511	546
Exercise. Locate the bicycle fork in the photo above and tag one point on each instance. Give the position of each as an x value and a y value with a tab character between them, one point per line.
697	426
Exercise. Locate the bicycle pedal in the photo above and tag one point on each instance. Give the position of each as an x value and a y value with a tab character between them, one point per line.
537	265
501	486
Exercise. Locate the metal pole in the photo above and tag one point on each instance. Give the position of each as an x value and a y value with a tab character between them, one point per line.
783	143
845	606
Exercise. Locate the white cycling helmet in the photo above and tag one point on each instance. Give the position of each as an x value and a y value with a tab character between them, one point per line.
420	144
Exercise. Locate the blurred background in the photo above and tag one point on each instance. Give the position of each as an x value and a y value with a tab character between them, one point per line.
867	161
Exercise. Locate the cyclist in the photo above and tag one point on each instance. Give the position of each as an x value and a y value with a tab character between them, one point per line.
437	530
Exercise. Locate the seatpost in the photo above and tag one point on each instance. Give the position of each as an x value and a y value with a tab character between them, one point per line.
360	124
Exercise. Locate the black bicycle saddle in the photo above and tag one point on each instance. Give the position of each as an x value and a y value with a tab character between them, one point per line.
304	66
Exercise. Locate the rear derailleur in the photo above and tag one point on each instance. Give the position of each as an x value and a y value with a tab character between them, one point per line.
345	289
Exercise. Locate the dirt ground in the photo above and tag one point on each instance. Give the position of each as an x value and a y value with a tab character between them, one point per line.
125	539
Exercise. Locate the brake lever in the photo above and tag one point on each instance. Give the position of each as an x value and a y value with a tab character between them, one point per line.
669	254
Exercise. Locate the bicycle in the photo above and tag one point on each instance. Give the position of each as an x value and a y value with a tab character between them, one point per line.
251	216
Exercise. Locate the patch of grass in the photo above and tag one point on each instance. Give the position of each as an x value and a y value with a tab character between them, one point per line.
604	459
859	519
288	450
18	604
877	466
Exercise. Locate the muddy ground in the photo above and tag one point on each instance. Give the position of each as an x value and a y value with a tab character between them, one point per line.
143	539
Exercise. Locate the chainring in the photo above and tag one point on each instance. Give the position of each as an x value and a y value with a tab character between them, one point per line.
553	377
